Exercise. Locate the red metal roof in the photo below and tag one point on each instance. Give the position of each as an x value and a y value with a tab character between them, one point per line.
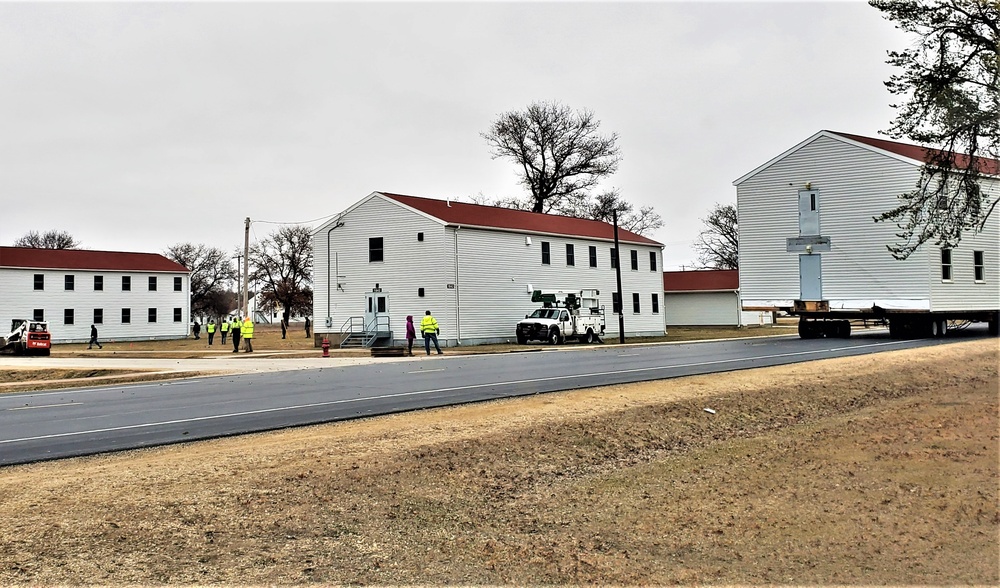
701	281
986	165
460	213
85	259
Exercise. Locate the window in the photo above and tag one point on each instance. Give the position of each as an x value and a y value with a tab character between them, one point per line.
593	256
39	281
420	292
68	316
656	303
634	258
152	283
126	283
616	302
614	258
570	254
979	263
635	302
652	261
70	281
98	316
375	250
420	236
178	315
946	265
178	284
38	314
546	254
98	282
151	315
126	316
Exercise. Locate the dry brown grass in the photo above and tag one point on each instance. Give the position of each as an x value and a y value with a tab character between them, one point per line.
873	470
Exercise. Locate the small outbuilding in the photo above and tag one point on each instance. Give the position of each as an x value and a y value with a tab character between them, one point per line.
707	298
474	267
127	296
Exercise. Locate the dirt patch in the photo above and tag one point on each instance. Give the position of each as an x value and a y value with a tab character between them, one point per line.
31	379
873	470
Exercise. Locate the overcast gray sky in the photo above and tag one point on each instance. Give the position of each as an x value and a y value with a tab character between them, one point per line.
136	126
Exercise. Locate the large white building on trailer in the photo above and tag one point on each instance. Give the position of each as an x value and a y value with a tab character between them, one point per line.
127	296
474	267
808	242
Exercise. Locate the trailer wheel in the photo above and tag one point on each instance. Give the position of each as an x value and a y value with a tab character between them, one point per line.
993	326
939	328
588	338
808	330
843	329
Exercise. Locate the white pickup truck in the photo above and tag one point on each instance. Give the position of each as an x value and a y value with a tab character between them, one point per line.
564	315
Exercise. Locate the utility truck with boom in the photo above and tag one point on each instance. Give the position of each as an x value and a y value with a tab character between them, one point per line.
563	315
27	337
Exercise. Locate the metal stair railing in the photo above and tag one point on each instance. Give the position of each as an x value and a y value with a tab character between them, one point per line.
366	334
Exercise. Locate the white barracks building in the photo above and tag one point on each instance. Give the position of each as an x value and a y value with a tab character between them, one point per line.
128	296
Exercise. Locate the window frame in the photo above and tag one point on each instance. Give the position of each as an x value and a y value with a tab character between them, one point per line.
546	253
655	303
979	266
593	255
98	283
570	255
636	305
69	283
178	314
38	314
947	265
614	258
652	261
126	283
376	251
39	282
151	283
126	316
178	284
69	316
616	303
634	259
98	316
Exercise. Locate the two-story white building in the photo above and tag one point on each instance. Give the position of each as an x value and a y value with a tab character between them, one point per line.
127	296
474	267
806	233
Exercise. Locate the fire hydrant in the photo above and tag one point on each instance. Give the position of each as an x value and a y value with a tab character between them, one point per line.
326	347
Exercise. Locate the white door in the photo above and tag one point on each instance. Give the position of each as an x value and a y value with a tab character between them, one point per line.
376	310
810	277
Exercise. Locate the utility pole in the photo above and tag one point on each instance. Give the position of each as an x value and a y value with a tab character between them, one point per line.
618	272
239	281
246	267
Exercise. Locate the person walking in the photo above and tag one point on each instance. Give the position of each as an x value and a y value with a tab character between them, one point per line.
429	329
411	334
246	331
210	327
197	330
224	329
308	324
234	328
284	327
93	338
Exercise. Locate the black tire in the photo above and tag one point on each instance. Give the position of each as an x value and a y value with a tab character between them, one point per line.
993	327
588	338
521	339
554	337
844	329
44	352
808	330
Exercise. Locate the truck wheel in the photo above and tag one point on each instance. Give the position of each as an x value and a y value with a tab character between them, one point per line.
554	338
588	338
521	339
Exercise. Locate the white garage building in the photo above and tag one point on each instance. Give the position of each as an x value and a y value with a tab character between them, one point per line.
707	298
128	296
474	267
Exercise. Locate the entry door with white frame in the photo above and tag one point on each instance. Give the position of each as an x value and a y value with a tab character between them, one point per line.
376	305
810	277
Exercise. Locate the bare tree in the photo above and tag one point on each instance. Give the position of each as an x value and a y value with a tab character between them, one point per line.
48	240
558	151
950	80
211	271
718	243
282	266
641	222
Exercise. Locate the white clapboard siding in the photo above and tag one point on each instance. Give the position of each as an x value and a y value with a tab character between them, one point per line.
19	299
475	279
702	308
855	183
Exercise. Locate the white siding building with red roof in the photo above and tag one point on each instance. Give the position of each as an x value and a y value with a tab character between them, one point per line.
707	298
473	267
843	181
128	296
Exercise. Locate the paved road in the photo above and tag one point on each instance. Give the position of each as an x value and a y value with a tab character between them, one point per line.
62	423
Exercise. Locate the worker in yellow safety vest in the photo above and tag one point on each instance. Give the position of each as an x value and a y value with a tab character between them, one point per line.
224	329
246	332
211	330
429	329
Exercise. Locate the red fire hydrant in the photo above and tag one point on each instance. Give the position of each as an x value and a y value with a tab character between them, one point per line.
326	347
